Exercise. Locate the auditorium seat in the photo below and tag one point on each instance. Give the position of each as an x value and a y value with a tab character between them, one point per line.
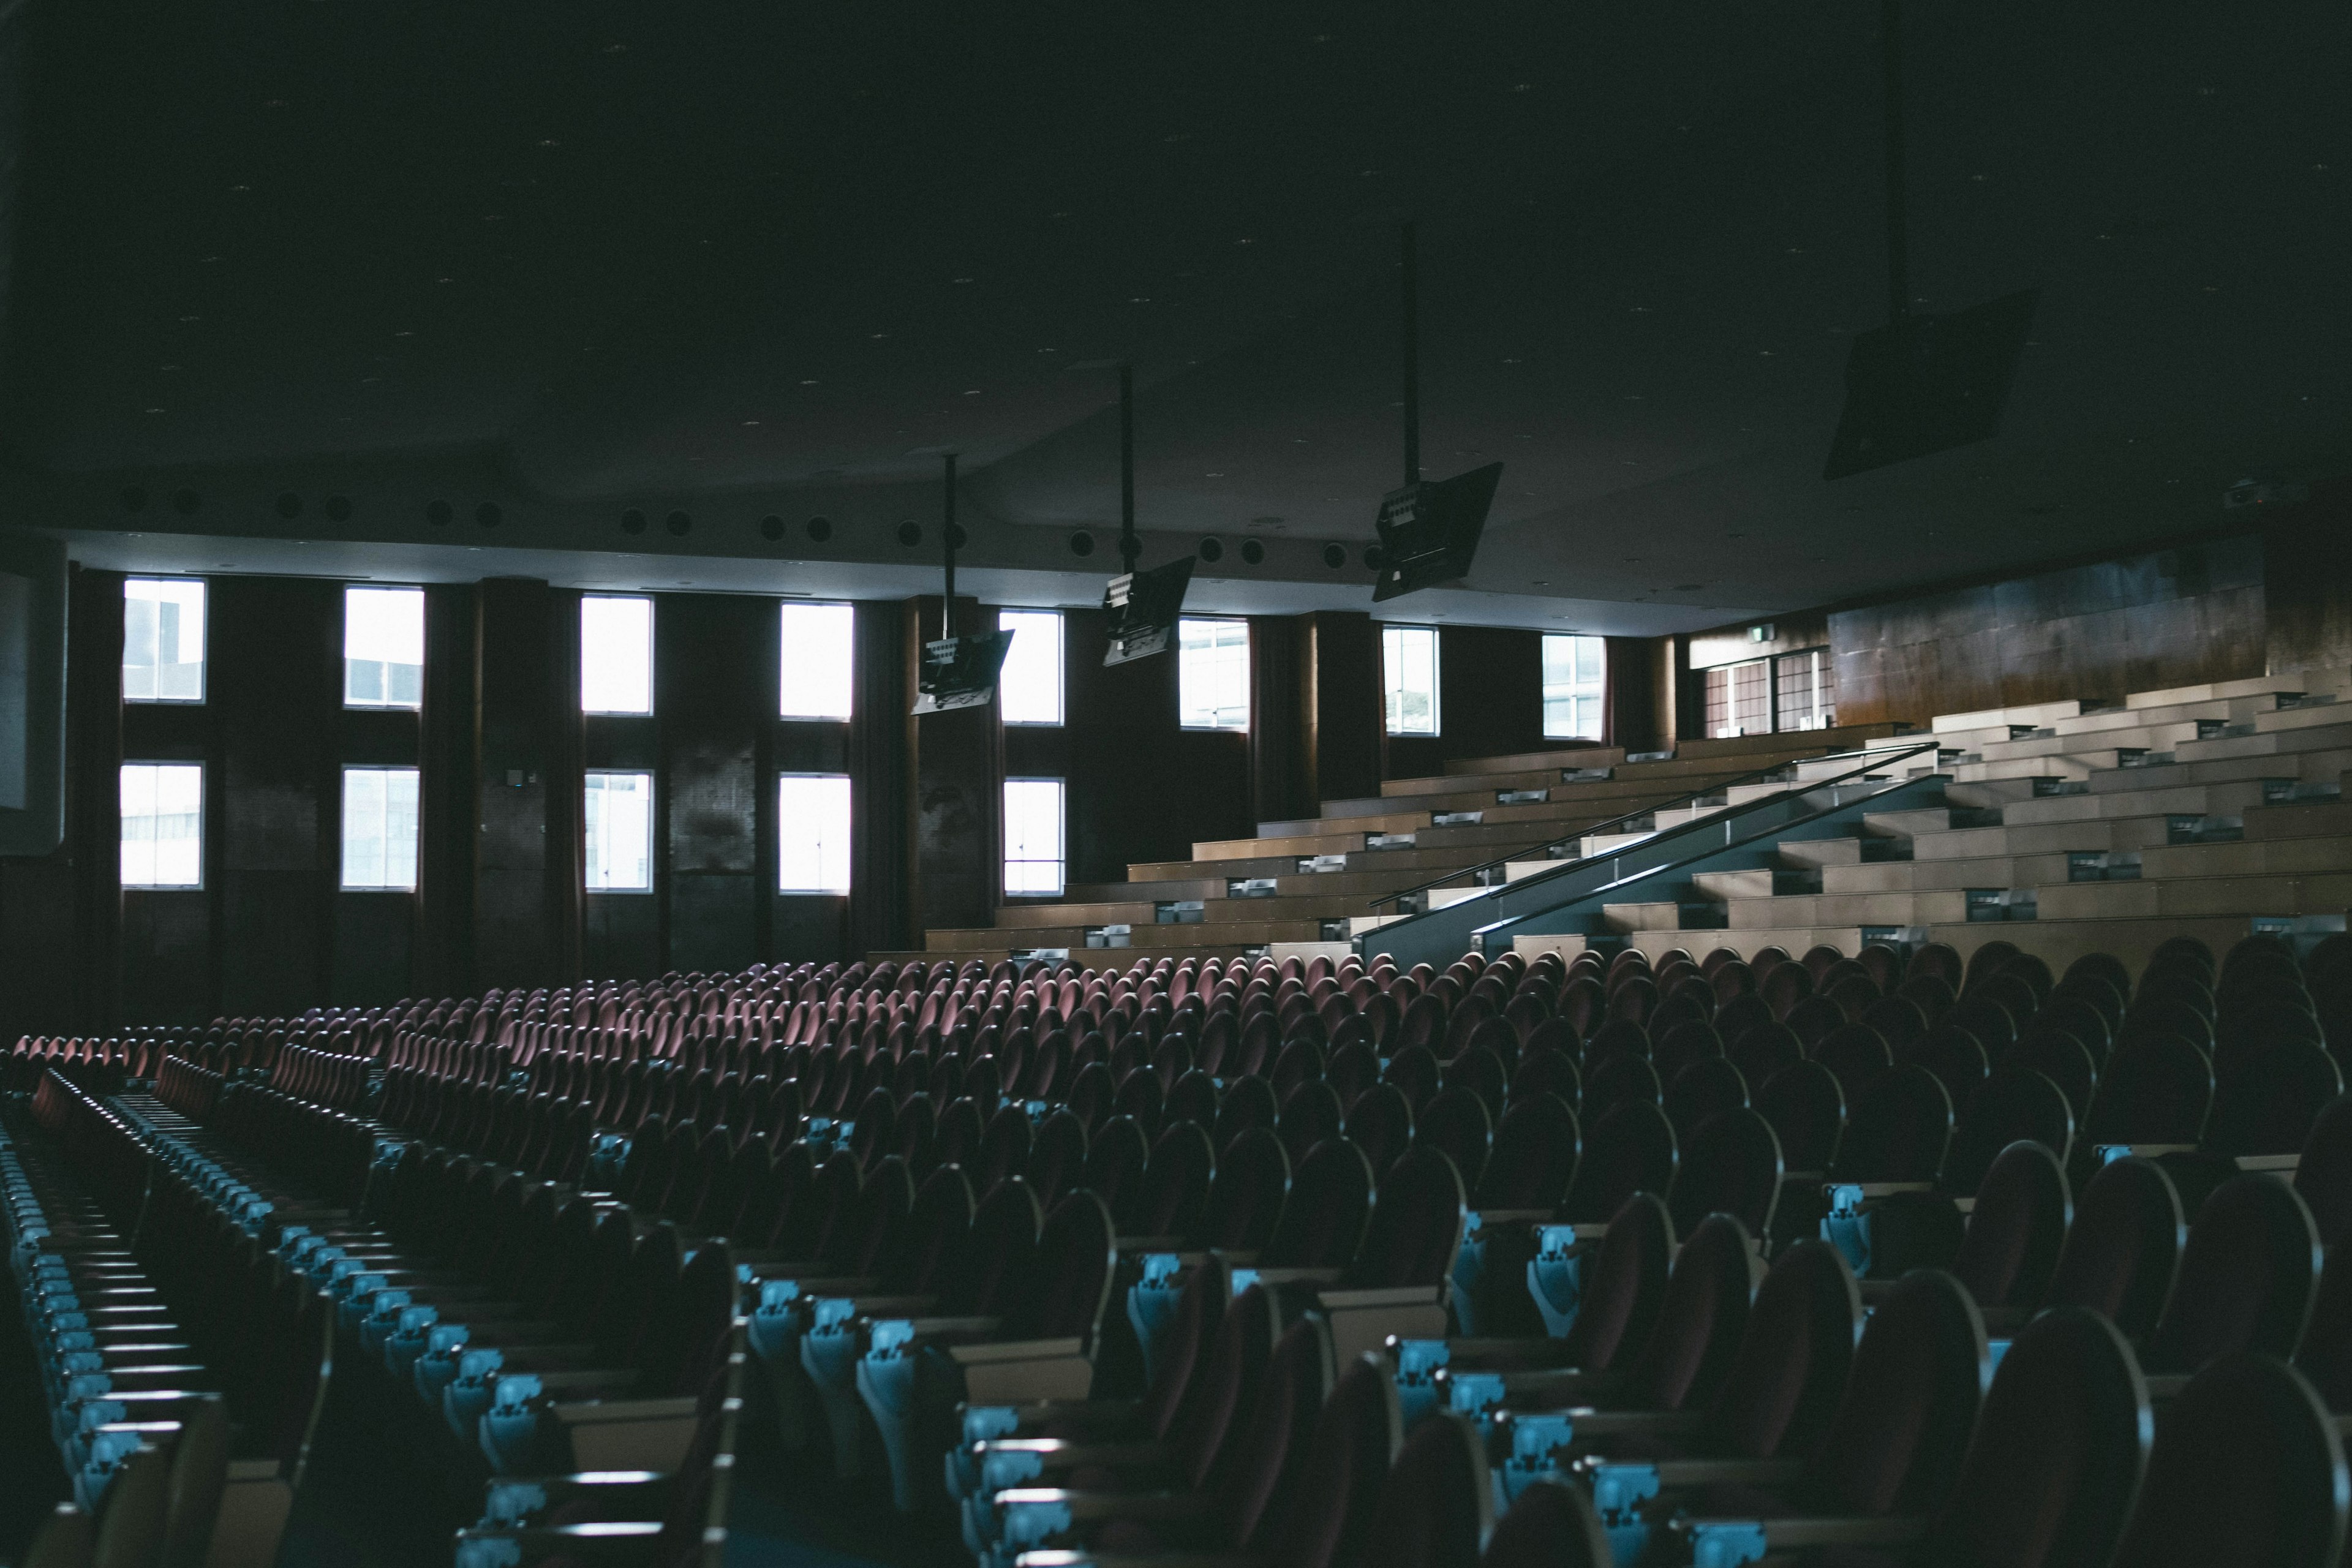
2247	1472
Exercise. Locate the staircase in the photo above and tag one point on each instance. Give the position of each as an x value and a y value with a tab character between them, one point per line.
1310	885
2212	811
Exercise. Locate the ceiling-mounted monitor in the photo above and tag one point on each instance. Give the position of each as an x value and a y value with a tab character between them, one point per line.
1926	384
1143	607
1429	530
960	672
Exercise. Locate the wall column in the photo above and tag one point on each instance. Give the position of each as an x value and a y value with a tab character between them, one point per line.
529	848
1341	703
955	763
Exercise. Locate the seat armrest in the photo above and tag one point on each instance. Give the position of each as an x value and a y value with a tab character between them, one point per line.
1317	1277
1015	1350
1132	1560
1763	1535
1084	1506
1637	1423
1055	1453
520	1502
619	1541
1763	1473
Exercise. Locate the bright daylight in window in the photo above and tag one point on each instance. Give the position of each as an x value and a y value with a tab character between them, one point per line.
1573	684
1409	665
817	660
379	827
1033	836
384	647
1029	691
616	655
813	833
164	640
162	824
619	820
1213	674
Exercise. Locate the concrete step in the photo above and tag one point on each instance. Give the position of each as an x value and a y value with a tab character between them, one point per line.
2061	767
1945	875
1906	823
1808	910
1721	885
2033	715
1021	915
1817	853
2252	857
2191	897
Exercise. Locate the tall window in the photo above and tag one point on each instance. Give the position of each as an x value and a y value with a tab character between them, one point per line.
162	824
1574	682
164	640
379	827
384	647
813	833
619	817
1033	836
616	655
1030	690
817	660
1213	674
1739	699
1409	663
1804	691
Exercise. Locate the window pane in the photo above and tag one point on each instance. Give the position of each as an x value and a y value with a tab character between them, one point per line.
162	824
1213	674
1409	665
384	647
1805	698
379	827
1030	690
1574	683
619	815
164	640
813	832
817	660
616	655
1033	836
1751	698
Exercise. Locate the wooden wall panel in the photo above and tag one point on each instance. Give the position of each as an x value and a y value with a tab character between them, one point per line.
2173	617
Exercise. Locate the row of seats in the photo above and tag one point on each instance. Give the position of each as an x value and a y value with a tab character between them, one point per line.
662	1134
183	1378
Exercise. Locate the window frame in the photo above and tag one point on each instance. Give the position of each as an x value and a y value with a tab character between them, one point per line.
1004	687
1576	690
344	883
1183	708
1061	862
385	705
1392	690
124	818
784	609
203	642
653	836
652	612
849	828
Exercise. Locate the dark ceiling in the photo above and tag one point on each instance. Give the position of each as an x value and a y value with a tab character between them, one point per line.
764	259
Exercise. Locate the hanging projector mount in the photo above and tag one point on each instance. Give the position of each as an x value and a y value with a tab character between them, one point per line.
1428	530
1143	606
957	672
1922	382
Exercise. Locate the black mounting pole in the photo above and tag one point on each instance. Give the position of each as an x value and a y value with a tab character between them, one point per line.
1412	358
947	536
1131	549
1899	260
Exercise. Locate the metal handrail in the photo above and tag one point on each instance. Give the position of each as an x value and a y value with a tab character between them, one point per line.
1755	775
